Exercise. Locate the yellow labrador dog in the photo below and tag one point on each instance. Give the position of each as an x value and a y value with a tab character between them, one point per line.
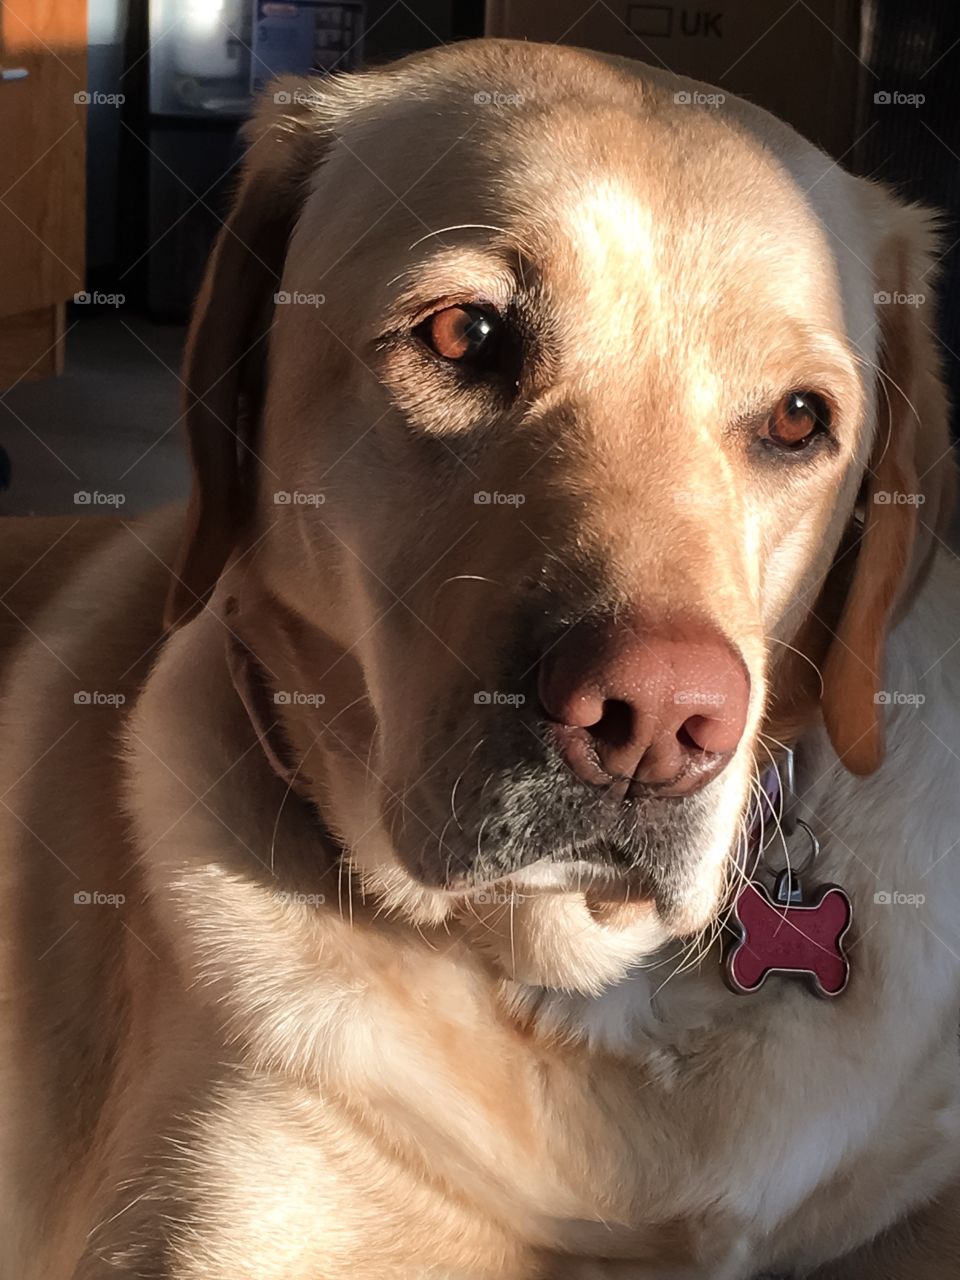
565	445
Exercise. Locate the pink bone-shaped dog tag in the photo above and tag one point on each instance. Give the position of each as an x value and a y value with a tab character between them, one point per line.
797	939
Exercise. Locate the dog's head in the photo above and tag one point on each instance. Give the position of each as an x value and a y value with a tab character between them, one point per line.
574	410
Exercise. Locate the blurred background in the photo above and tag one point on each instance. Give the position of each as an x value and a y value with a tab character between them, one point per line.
119	149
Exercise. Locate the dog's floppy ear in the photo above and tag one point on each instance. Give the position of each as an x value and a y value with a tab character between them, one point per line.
908	492
231	318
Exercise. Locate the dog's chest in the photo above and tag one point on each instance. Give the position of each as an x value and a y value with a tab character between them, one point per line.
391	1085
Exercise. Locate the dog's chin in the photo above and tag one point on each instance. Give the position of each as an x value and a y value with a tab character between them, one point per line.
561	923
546	925
573	927
566	939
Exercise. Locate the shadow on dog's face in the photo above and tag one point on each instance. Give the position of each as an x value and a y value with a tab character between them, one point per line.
563	425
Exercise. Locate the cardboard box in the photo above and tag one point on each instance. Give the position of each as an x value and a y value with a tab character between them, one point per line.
799	60
305	35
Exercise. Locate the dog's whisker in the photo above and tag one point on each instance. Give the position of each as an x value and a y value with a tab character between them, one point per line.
800	654
777	817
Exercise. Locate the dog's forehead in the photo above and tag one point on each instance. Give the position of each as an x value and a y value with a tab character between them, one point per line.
624	183
617	191
641	257
610	225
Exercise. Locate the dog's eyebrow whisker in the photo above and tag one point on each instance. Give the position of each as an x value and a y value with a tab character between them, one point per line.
458	226
463	577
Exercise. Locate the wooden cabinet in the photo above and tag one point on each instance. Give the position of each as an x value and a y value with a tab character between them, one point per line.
43	94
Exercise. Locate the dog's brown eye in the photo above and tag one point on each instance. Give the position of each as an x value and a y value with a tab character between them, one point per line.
797	419
465	334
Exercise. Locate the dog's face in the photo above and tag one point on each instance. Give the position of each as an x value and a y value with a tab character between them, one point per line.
570	443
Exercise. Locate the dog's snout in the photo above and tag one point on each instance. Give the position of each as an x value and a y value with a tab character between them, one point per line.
661	710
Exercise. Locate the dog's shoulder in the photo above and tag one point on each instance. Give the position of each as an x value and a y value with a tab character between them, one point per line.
41	557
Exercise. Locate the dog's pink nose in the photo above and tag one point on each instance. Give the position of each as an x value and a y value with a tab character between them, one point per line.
664	711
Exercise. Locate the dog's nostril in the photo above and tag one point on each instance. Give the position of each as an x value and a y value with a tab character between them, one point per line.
616	725
712	736
686	738
622	697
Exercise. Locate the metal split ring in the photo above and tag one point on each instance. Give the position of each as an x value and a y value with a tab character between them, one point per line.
799	868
